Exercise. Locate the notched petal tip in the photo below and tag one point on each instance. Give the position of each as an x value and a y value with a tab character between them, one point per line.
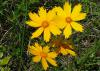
67	31
44	64
77	26
30	14
79	5
67	3
42	9
56	9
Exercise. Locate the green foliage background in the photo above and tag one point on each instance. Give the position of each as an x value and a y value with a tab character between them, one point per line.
15	34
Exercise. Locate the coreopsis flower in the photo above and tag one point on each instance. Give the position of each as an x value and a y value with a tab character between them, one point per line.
67	50
63	47
43	54
44	22
68	20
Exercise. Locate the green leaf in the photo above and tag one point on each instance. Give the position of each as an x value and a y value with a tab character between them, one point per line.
1	54
89	53
2	69
5	60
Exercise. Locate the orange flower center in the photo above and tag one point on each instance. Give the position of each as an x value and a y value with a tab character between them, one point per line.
45	24
43	55
68	20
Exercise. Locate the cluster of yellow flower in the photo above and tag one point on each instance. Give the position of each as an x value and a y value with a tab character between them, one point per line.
54	21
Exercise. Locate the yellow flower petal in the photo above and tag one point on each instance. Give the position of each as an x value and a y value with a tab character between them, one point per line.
37	33
70	46
60	22
63	51
50	15
77	26
42	13
59	11
71	52
67	31
51	61
46	49
81	16
67	9
38	47
47	34
34	17
33	24
52	54
44	64
32	50
76	11
36	58
55	30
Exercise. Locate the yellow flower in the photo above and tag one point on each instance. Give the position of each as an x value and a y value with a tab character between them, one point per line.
68	20
64	47
66	51
43	54
44	21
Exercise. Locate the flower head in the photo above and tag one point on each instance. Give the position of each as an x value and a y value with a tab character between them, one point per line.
67	50
43	54
64	47
68	20
44	21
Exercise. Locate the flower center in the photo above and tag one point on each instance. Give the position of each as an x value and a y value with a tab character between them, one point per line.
43	55
45	24
68	20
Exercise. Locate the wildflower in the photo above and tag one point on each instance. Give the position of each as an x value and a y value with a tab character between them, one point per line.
43	54
64	47
44	21
68	20
67	50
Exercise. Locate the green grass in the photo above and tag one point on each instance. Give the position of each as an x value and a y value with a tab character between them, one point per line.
15	34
